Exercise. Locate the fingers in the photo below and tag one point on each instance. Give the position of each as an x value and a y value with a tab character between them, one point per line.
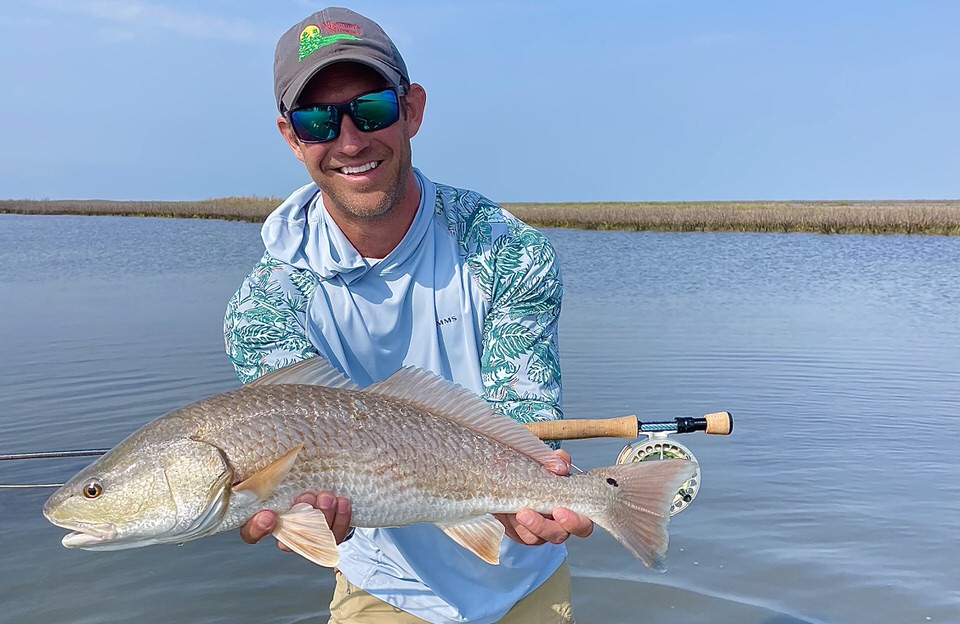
508	521
516	531
259	526
529	527
533	528
573	523
337	512
561	467
541	528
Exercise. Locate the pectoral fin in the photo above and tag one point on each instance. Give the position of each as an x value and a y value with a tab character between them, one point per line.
481	536
304	530
262	484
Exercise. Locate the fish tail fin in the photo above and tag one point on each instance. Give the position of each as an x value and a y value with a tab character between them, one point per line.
640	509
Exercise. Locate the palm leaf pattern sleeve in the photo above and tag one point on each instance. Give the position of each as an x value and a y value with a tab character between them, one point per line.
520	363
265	324
515	267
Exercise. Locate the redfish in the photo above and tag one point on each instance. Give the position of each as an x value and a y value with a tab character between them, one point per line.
411	448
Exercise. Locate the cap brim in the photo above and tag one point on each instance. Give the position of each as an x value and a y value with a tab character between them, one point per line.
292	94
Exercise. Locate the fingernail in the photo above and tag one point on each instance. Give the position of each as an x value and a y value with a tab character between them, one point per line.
325	501
524	516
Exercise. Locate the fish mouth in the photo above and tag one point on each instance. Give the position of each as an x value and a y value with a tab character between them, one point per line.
87	534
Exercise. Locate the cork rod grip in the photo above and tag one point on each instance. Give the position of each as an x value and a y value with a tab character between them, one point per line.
620	427
719	423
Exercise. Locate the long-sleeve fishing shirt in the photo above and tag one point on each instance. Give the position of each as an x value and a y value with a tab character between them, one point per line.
470	293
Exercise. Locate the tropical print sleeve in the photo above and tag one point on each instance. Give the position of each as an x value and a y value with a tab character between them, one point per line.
265	324
516	268
520	364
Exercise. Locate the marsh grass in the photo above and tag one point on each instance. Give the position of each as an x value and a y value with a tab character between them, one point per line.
229	208
827	217
841	217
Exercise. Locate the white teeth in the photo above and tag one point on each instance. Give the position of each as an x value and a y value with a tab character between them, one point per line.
360	169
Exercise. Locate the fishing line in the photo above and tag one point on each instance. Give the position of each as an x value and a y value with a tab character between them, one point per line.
48	454
44	455
24	486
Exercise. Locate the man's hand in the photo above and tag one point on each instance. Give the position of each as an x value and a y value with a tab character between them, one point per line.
335	509
529	527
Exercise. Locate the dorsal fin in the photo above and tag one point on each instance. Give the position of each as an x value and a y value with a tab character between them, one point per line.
315	371
455	403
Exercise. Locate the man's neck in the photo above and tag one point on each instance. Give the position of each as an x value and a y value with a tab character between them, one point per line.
376	237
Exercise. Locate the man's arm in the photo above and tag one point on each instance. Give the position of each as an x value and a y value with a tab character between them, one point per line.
265	324
265	329
520	363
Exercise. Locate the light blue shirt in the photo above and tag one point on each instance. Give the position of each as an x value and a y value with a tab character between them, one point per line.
470	293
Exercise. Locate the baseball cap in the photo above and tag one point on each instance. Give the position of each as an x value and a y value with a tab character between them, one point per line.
329	36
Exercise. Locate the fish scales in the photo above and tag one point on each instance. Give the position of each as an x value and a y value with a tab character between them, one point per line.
412	448
398	464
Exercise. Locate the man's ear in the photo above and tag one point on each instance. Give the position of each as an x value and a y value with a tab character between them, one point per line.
286	130
415	101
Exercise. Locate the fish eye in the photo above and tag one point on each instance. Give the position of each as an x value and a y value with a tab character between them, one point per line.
92	489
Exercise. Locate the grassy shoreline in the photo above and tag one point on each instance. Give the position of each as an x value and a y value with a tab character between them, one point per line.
940	217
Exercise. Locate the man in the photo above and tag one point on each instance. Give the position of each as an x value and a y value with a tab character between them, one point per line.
374	267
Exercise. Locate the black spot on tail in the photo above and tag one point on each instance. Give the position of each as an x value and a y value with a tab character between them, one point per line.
612	482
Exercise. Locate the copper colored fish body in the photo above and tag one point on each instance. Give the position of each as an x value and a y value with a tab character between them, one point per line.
412	448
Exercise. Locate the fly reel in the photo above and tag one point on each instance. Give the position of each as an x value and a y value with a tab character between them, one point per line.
653	443
657	446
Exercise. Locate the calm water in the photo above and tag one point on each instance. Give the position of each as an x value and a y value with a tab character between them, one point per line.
835	500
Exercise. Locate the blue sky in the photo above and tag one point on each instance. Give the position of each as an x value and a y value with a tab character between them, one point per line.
629	100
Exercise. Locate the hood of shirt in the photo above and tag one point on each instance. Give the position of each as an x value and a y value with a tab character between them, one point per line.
301	232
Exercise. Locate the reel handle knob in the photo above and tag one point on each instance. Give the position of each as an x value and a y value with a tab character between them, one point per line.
719	423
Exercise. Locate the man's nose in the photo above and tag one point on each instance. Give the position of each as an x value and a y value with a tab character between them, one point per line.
351	140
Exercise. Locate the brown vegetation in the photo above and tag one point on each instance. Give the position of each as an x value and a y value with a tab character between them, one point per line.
229	208
828	217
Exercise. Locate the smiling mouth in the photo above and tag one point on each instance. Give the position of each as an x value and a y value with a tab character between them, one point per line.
360	169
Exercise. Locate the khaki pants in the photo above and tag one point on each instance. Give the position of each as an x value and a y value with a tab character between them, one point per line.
547	604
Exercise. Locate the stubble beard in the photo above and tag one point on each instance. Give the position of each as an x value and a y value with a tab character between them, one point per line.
359	206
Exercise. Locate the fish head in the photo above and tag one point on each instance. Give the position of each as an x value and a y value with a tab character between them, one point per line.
143	492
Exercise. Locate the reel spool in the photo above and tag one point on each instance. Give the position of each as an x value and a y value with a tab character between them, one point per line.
657	446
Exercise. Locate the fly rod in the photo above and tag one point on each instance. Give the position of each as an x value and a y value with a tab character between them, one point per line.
54	454
630	426
45	455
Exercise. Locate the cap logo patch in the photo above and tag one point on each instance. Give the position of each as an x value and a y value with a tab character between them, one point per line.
314	37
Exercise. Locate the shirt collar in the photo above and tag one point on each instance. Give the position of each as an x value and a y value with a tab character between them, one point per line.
300	232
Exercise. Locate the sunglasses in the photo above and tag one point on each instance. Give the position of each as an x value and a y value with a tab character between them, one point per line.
319	123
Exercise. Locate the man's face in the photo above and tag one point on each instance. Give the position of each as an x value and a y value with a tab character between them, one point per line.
361	174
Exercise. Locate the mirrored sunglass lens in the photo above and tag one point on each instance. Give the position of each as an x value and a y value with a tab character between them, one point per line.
375	110
316	123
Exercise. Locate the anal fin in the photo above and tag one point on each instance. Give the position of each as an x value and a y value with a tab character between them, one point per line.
481	536
304	530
